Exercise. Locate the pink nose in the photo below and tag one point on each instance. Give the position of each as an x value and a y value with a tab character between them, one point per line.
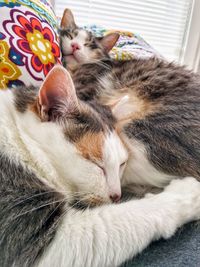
115	197
75	47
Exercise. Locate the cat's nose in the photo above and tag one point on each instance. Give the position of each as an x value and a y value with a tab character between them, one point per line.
115	197
75	47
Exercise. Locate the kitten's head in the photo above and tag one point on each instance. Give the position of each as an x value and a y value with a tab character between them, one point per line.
79	45
87	154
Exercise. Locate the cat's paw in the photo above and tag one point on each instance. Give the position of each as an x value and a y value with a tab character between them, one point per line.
187	191
186	185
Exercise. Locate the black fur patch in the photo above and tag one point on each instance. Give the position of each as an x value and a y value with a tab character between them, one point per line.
24	96
29	215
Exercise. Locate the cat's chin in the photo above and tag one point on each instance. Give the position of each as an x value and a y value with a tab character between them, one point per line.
74	59
70	59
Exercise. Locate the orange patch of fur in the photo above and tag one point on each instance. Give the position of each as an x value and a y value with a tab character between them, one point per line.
91	146
137	107
34	108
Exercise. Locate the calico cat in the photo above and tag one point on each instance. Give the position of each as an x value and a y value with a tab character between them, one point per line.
157	107
55	153
79	45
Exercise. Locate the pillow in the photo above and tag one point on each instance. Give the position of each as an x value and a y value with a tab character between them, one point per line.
28	42
130	45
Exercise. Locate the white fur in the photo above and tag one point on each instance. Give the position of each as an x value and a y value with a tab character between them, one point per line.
139	170
81	55
109	235
56	161
114	155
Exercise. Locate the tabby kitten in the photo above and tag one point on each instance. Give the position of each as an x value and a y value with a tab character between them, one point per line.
79	46
55	152
157	107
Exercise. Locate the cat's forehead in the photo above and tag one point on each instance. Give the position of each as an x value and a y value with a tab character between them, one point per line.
83	34
103	148
83	123
79	33
87	131
91	146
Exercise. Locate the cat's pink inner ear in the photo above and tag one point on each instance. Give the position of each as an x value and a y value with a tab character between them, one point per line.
68	19
58	88
109	41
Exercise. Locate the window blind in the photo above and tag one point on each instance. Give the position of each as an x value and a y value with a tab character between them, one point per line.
162	23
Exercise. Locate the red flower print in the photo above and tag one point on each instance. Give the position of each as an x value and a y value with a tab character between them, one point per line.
35	40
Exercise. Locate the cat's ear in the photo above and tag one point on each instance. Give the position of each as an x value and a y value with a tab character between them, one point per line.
108	41
68	20
57	94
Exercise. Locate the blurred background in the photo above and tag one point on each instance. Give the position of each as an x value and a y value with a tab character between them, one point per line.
172	27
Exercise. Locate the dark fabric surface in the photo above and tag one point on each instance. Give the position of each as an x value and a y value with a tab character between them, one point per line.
182	250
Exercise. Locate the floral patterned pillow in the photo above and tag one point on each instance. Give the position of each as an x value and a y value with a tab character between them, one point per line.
28	42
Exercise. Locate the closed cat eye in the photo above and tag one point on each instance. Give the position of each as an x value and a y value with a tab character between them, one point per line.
123	164
104	172
69	36
92	45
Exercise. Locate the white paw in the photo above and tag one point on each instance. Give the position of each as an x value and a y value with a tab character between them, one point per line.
187	191
183	186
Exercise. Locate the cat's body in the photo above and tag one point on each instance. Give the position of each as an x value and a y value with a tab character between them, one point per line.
56	152
157	105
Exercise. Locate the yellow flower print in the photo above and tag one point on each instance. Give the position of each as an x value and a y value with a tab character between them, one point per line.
8	70
40	47
8	1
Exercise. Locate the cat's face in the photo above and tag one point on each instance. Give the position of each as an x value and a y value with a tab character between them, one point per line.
87	154
79	45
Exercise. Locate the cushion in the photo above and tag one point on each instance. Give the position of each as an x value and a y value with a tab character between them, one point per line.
130	45
28	42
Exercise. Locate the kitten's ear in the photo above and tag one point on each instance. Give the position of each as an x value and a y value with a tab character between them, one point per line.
68	19
108	41
57	94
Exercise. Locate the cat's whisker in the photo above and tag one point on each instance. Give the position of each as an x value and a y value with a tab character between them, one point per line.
84	198
37	208
75	194
59	204
71	207
34	196
61	201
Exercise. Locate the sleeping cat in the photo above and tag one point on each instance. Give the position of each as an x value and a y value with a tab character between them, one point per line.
55	153
157	107
79	45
